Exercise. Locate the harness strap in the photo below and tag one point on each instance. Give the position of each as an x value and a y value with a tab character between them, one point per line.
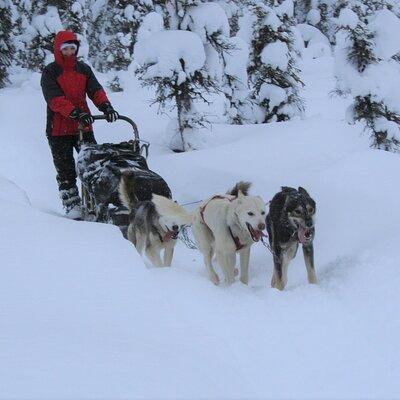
235	239
239	246
203	208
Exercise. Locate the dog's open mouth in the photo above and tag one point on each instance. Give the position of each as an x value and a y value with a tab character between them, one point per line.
171	235
305	235
256	235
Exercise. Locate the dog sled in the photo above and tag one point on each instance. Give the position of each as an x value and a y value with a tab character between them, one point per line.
99	168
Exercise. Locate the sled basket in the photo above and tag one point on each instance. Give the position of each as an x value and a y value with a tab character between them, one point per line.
99	168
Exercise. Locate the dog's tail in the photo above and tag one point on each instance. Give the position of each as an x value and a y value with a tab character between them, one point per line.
126	190
169	208
241	186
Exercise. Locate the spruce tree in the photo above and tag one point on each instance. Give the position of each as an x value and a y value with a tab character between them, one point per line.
273	69
357	57
181	86
44	23
6	47
115	29
74	16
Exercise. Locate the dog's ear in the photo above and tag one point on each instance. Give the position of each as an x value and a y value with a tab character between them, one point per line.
303	191
240	196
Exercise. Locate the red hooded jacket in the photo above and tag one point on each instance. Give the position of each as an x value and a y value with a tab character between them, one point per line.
65	84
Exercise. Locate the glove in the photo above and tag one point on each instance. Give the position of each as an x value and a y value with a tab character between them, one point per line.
83	117
109	112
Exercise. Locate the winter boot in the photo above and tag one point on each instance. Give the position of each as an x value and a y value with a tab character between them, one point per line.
71	203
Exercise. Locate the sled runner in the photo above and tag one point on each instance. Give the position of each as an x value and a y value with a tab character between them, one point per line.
99	168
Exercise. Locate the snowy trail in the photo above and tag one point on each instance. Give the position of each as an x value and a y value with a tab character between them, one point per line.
81	315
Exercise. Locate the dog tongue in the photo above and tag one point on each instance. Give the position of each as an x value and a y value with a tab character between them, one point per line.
303	235
168	236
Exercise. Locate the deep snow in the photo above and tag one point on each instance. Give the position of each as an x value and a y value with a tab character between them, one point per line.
82	316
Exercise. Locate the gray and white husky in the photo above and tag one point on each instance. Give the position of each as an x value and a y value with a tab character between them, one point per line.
153	225
226	225
290	221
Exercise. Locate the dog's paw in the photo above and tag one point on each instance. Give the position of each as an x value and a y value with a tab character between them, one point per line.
245	281
277	283
214	279
313	280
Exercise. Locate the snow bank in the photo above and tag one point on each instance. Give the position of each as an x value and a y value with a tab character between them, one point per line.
10	192
78	304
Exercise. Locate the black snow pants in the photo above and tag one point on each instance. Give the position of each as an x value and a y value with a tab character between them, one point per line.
62	150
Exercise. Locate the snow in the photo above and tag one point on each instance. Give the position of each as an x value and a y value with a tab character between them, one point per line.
385	25
236	60
285	8
312	35
313	17
276	55
347	18
82	316
164	50
272	20
152	23
96	8
10	192
315	43
275	94
246	22
206	19
129	12
378	79
47	23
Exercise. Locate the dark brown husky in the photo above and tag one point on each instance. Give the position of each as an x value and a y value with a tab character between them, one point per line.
290	221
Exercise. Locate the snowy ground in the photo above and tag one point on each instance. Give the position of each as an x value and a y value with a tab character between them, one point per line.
83	317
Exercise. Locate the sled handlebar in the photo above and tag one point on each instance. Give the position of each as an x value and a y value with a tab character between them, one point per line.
140	145
127	119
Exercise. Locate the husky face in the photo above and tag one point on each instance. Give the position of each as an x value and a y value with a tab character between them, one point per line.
251	213
170	225
300	210
171	216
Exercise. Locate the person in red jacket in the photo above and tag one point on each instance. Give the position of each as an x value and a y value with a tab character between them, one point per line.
65	84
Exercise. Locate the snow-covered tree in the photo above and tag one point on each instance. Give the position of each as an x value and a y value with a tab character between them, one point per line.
173	62
226	57
74	15
367	68
38	34
114	33
234	10
96	22
6	47
235	81
273	69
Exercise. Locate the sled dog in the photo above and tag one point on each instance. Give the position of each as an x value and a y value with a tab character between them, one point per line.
226	225
290	221
154	224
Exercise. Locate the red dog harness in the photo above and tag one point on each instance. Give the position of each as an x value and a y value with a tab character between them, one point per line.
235	239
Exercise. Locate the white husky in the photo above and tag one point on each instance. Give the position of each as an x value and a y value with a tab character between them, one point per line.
226	225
